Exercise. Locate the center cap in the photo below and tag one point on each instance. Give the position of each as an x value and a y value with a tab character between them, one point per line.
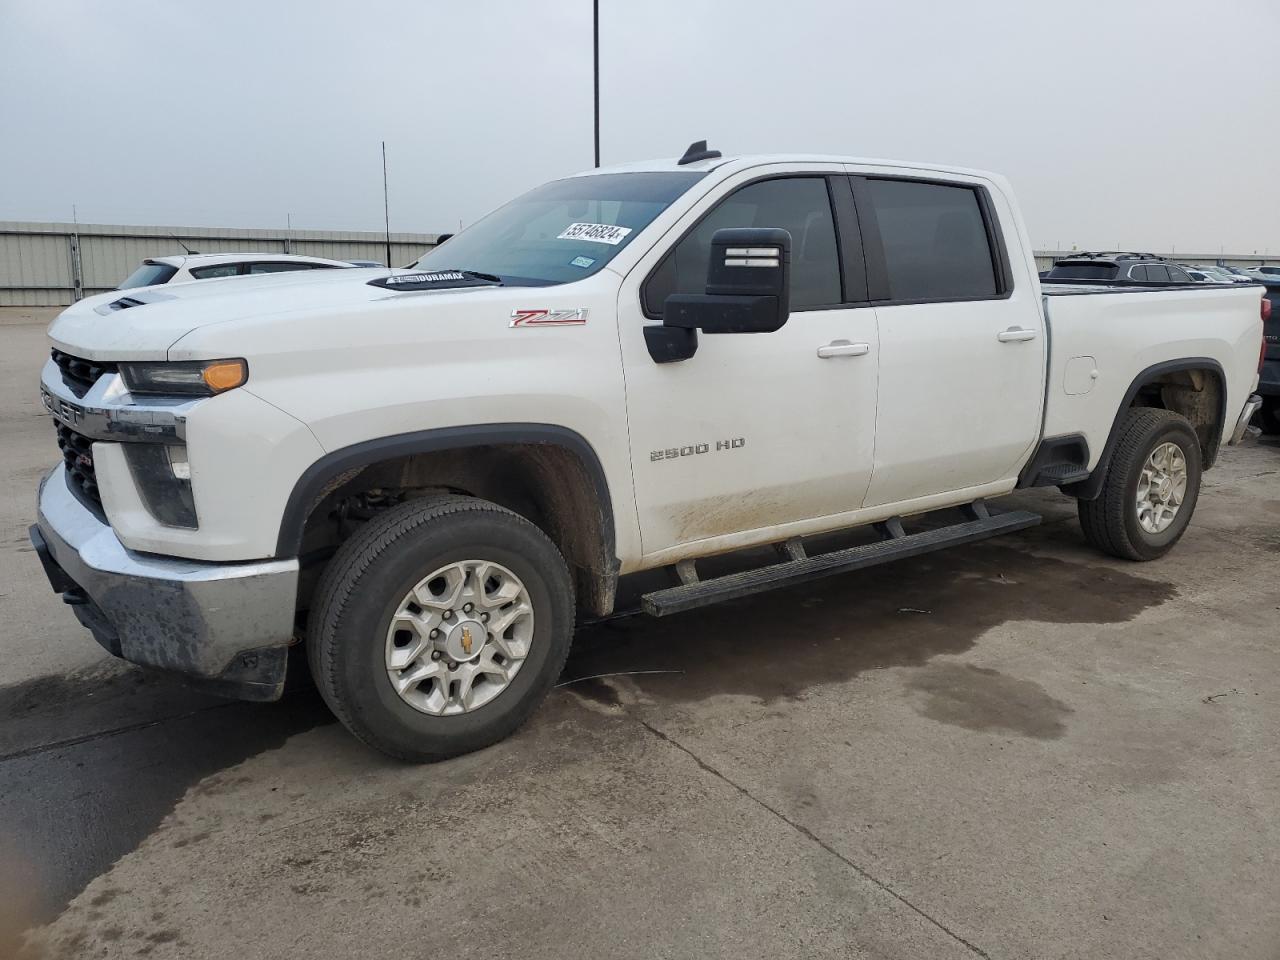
464	639
1166	487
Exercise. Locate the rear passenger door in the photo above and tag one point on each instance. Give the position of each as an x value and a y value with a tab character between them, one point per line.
962	345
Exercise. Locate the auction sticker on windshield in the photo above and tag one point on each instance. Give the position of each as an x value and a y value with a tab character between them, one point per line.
595	232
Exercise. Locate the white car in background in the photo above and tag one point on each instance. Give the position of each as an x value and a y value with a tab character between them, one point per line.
1218	274
207	266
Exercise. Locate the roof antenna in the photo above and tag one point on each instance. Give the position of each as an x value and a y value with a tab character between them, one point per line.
190	252
698	151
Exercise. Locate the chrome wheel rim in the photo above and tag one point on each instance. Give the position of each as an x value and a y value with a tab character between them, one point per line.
1162	487
459	637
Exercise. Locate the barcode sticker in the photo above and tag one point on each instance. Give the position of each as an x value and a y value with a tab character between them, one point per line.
595	232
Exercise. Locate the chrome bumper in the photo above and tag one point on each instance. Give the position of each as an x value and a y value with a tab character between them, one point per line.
227	624
1250	408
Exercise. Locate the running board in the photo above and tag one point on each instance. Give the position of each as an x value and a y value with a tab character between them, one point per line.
897	546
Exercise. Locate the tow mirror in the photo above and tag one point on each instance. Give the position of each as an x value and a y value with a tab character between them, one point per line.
748	291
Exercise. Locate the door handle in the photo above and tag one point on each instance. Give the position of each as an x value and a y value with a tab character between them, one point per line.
1015	335
843	348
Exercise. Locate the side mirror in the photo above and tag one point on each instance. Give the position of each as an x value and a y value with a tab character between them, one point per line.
748	291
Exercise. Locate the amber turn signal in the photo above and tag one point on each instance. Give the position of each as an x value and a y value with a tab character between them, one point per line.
225	374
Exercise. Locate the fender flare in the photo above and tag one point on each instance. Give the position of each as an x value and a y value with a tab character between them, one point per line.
1090	488
309	486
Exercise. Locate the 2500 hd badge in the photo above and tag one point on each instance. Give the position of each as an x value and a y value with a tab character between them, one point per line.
694	449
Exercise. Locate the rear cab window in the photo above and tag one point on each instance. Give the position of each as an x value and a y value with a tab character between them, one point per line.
1082	271
149	274
937	240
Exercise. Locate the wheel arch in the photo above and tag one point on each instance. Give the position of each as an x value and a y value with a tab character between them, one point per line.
548	473
1169	375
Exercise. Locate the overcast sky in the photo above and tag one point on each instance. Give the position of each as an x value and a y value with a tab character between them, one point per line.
1124	123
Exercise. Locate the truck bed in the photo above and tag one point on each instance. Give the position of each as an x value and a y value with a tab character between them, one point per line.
1105	337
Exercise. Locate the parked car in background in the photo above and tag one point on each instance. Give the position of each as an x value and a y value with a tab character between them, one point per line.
1201	277
207	266
1265	272
1217	274
1269	376
1111	267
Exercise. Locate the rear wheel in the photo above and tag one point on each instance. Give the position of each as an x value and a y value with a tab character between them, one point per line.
1150	490
440	626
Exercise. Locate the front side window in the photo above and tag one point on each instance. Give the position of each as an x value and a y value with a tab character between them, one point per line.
562	231
935	240
799	205
217	270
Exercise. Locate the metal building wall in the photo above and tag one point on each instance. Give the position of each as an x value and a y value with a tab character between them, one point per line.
52	264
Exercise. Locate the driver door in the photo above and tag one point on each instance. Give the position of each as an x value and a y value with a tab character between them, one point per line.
757	436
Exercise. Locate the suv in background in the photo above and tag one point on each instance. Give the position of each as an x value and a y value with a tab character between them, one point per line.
207	266
1118	267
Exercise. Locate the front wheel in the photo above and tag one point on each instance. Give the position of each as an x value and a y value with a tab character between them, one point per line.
1150	490
439	627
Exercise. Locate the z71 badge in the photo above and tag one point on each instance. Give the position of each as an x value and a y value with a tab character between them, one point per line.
548	318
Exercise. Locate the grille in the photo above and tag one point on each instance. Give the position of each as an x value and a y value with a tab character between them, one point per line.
77	453
79	375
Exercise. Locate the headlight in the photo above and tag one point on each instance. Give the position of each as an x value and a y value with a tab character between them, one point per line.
194	378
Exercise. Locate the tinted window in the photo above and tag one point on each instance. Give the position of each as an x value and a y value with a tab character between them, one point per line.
1157	273
935	241
799	205
1082	271
1178	275
283	266
561	231
148	275
218	270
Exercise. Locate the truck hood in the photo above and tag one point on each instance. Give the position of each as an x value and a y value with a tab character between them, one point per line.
143	324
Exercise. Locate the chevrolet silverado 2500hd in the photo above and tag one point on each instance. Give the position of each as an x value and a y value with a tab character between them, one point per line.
426	475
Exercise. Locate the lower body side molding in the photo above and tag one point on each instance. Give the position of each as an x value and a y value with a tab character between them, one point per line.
690	596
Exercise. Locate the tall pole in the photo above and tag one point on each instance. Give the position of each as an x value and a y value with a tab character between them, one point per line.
386	204
595	68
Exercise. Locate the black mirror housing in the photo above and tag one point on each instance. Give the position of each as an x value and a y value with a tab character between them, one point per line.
748	291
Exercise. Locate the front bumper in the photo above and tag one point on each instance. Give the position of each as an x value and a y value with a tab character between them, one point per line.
227	625
1250	408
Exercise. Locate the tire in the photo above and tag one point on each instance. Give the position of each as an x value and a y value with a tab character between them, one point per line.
1111	522
1269	416
386	563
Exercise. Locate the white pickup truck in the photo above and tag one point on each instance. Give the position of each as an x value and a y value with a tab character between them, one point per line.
424	477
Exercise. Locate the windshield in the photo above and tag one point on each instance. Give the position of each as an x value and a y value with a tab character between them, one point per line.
147	275
1082	271
562	231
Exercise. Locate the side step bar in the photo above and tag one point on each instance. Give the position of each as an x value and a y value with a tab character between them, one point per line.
897	546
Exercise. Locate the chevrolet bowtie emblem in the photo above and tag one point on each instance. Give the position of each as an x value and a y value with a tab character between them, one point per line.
466	640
